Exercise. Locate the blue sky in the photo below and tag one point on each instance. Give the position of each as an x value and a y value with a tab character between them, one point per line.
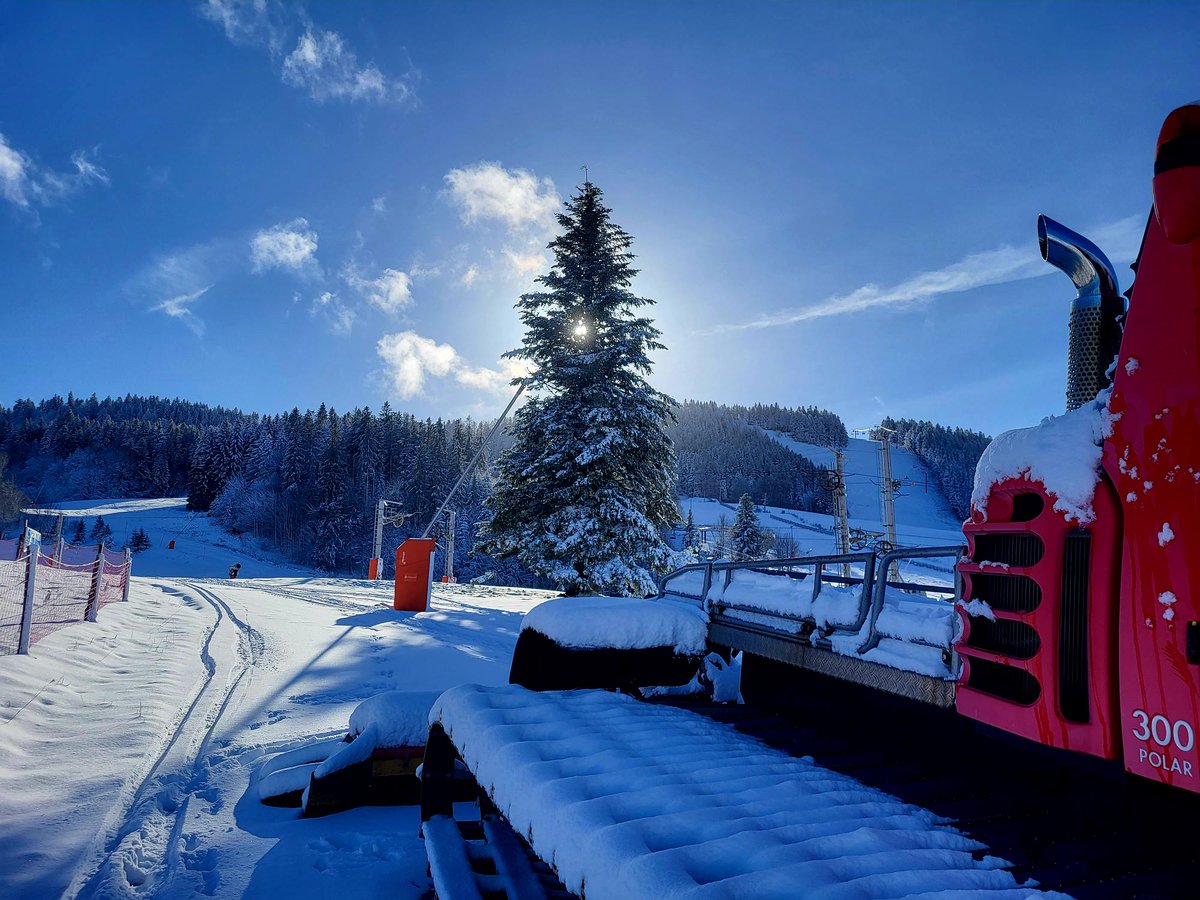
265	206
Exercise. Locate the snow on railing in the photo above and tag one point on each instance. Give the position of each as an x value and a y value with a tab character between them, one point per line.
43	589
903	625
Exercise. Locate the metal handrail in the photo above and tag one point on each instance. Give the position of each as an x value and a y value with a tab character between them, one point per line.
817	563
885	561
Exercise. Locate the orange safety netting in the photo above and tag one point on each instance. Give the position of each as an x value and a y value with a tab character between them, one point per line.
60	596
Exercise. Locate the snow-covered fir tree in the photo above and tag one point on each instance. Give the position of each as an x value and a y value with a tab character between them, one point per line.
746	538
79	535
101	532
582	495
690	537
139	541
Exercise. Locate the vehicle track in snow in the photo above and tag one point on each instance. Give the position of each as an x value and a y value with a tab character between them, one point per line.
137	849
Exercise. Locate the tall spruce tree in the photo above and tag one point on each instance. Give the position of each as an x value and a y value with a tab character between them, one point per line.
583	493
746	538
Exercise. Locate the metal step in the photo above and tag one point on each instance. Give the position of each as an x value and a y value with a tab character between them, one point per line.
485	860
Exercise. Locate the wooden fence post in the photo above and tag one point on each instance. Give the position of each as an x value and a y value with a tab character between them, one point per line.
31	540
128	574
94	596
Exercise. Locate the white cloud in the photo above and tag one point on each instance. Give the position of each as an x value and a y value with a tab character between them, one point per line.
321	62
1000	266
172	282
249	22
379	204
339	316
291	246
410	359
14	176
328	69
180	308
515	197
421	272
470	276
391	291
24	183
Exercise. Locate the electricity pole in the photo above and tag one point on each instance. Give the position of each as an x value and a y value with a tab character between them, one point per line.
887	488
843	514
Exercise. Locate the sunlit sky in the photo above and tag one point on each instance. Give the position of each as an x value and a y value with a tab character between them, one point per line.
265	205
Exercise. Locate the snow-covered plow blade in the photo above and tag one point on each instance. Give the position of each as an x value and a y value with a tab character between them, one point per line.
845	616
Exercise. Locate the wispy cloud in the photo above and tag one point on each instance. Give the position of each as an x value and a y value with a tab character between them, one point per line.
250	22
172	282
328	69
390	291
291	246
25	183
180	308
330	307
999	266
321	62
411	359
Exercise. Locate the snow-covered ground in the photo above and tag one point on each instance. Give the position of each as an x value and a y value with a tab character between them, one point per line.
129	747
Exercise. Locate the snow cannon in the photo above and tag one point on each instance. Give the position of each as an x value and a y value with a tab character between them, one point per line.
1095	329
414	582
1082	538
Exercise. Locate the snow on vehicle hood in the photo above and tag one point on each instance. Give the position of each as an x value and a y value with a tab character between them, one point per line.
1062	452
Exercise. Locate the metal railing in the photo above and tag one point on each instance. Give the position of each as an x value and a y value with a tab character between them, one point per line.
872	583
885	561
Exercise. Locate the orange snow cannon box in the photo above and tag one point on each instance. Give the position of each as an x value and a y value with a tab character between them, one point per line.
414	565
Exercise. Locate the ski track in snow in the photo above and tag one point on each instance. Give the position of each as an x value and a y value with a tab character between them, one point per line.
139	844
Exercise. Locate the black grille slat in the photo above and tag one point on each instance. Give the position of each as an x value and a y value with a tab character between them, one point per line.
1073	636
1015	639
1010	593
1006	682
1010	549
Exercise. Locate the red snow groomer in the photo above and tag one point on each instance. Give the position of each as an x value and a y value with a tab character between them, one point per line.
1095	646
1074	625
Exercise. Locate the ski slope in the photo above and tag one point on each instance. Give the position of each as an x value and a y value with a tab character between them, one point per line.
919	501
923	517
202	548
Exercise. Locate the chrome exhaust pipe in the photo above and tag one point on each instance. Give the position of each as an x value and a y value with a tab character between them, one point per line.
1095	329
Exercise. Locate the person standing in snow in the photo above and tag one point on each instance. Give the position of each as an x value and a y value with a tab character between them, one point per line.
233	570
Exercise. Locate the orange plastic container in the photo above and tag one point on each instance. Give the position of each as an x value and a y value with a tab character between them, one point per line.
414	563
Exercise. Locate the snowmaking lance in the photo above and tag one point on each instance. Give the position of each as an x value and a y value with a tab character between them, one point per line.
414	557
1068	659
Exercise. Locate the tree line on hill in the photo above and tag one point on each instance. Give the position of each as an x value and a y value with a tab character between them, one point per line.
723	453
116	447
950	454
307	483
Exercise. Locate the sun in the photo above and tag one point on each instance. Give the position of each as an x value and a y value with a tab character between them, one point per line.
581	329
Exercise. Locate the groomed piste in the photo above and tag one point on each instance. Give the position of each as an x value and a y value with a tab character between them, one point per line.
628	799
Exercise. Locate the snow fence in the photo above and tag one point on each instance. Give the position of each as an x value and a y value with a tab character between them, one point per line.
43	589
